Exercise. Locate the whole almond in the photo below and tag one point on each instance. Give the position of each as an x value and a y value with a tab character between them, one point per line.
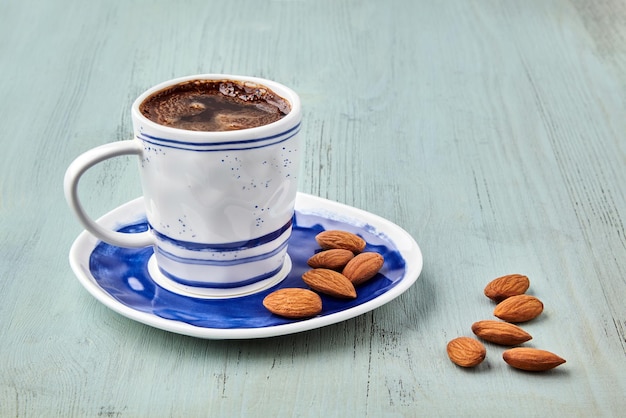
499	332
519	308
340	239
531	359
466	351
507	286
330	283
363	267
335	259
293	303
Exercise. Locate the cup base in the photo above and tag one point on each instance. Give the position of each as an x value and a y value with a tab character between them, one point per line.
215	293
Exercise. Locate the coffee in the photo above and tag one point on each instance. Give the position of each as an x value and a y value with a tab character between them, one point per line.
210	105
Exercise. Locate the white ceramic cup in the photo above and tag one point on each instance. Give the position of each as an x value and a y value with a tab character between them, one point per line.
219	204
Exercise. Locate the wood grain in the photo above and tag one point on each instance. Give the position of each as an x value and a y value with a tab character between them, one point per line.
492	131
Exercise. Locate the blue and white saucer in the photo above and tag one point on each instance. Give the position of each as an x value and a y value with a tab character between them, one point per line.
120	277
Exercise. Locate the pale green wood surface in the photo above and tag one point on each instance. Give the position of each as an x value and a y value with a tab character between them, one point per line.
494	132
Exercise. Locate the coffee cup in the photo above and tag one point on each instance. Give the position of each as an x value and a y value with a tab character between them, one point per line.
219	201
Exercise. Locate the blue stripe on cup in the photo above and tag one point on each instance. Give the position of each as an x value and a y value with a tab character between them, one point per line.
223	247
219	262
221	285
222	146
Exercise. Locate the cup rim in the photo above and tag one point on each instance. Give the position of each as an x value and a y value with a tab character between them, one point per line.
292	118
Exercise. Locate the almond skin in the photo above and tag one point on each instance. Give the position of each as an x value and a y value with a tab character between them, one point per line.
531	359
499	332
335	259
293	303
520	308
507	286
363	267
330	283
340	239
466	351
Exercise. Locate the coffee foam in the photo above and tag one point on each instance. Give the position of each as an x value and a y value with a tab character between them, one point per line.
209	105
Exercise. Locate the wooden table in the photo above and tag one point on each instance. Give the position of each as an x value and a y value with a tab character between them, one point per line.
494	132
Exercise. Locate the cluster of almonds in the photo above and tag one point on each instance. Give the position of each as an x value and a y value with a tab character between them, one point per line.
335	271
513	306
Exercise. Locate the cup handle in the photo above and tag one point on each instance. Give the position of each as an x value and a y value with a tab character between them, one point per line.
72	176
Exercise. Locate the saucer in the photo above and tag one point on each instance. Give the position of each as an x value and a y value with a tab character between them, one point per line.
120	277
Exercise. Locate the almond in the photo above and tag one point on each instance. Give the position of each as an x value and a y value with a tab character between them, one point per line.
363	267
507	286
340	239
335	259
466	351
293	303
499	332
520	308
531	359
330	283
